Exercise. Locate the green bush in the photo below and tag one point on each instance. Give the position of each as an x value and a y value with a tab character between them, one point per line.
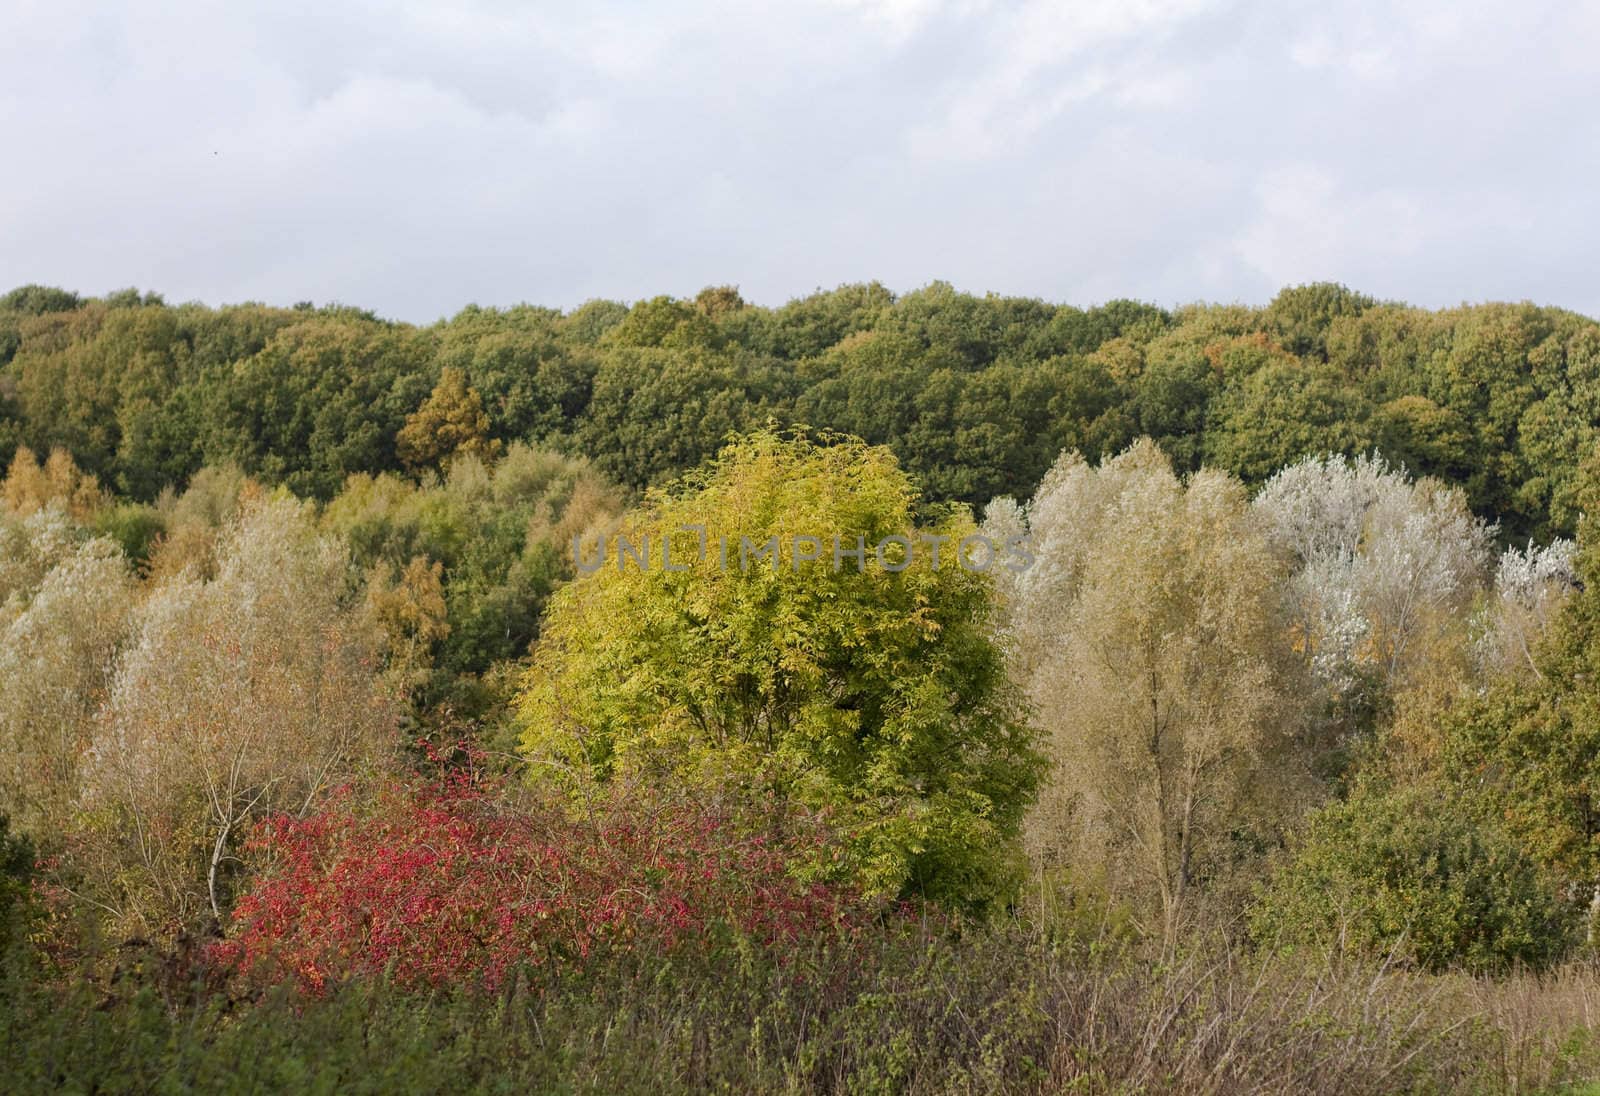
133	526
1417	874
16	874
935	1010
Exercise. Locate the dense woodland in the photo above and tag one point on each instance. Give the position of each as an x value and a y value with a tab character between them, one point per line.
976	396
1278	769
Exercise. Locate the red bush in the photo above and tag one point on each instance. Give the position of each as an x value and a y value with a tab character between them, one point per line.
446	885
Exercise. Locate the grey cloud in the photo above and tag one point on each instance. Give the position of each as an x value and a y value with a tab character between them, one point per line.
414	157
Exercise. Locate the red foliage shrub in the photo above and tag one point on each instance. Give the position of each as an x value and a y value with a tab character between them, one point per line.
448	885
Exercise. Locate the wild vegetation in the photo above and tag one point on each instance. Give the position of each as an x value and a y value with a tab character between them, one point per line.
626	698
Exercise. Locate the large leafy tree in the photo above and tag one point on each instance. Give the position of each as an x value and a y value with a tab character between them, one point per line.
1301	315
1148	640
808	326
873	693
659	411
534	377
324	398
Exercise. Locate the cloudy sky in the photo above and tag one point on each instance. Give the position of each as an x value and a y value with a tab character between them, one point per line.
412	157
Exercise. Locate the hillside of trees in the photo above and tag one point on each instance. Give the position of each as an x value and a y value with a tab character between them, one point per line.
975	395
1273	766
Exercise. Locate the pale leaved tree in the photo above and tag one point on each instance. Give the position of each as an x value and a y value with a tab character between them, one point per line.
256	690
1384	569
1530	586
64	602
1147	636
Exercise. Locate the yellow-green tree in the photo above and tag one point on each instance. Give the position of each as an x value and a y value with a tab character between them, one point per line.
861	687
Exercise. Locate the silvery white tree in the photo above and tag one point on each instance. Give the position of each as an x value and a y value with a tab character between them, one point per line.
1382	566
1146	634
1530	586
64	602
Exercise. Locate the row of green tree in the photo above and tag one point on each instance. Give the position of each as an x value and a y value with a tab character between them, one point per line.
975	395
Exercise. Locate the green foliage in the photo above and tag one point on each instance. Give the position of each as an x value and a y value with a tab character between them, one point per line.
35	300
1418	873
132	298
1170	386
1072	330
533	367
1530	749
975	394
1301	315
664	322
591	321
659	410
873	695
16	877
1424	438
971	435
806	327
1282	412
324	398
133	527
501	537
1561	429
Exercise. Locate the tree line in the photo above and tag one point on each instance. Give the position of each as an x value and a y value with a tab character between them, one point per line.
975	395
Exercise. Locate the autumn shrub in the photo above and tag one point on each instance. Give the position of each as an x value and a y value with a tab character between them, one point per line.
446	884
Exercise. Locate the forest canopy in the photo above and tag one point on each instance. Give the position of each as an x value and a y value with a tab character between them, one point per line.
976	395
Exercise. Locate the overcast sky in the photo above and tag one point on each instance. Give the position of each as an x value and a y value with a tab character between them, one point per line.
414	157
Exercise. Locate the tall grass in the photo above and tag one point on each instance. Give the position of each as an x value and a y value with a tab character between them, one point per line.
923	1010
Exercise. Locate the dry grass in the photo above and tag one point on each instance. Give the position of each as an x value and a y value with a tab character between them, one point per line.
925	1012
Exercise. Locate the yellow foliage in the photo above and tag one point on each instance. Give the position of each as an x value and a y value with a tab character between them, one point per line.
29	488
410	613
450	422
